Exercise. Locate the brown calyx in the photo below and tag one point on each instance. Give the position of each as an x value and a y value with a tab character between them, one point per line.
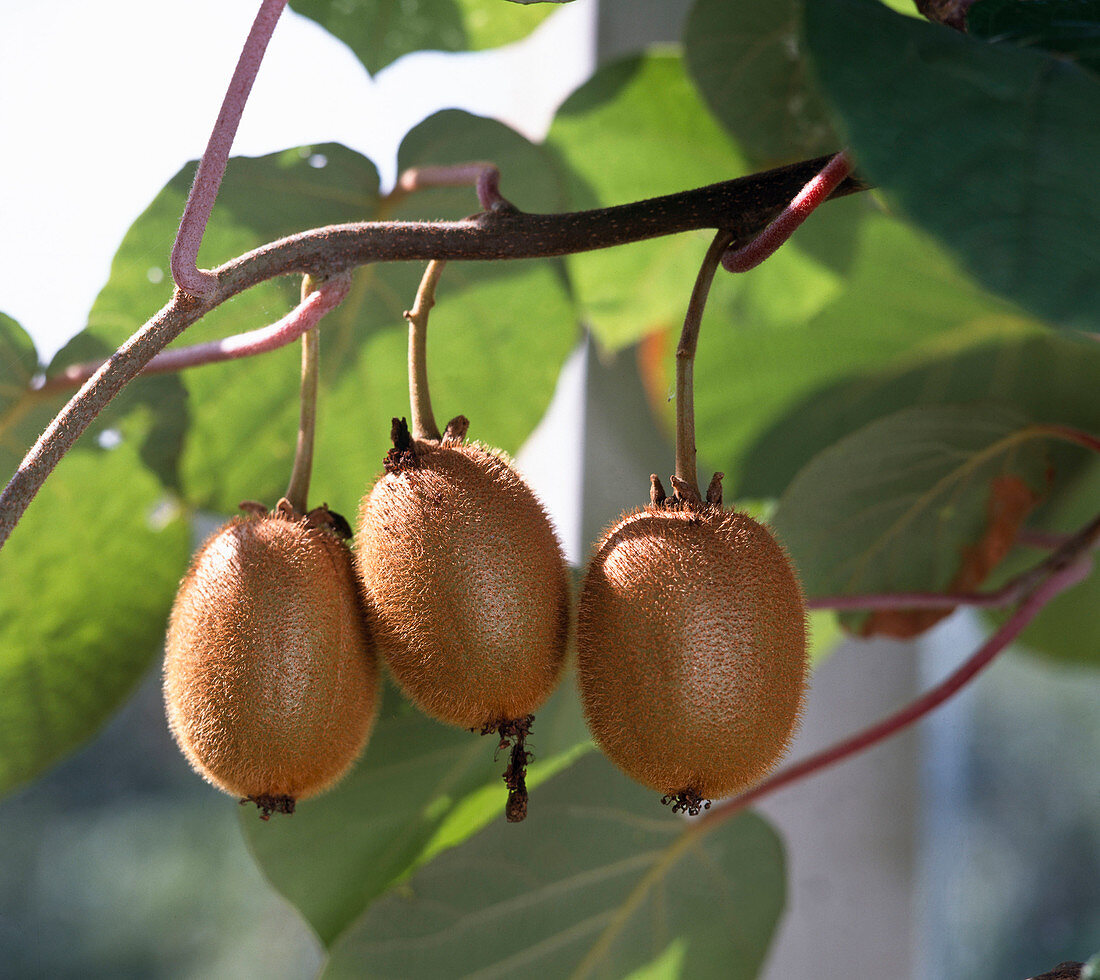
513	736
685	496
268	804
686	801
320	518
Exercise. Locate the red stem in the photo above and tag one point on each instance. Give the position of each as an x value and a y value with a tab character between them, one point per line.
1070	434
815	193
1058	582
208	176
303	317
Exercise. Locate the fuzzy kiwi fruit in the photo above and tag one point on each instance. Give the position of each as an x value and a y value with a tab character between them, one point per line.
270	676
691	646
466	584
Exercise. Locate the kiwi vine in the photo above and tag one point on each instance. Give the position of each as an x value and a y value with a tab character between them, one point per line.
688	631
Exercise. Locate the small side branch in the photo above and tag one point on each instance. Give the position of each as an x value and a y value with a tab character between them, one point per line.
325	297
815	193
208	176
1057	583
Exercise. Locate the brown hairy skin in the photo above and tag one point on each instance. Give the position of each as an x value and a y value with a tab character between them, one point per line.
270	677
691	645
468	595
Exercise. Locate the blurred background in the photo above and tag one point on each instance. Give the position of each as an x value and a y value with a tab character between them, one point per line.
969	847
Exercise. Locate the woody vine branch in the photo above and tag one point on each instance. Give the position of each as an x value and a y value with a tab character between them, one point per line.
744	206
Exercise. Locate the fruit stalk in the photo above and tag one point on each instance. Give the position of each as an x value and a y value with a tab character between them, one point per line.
685	361
420	400
297	491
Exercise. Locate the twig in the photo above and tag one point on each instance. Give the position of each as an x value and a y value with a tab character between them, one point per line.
1058	582
480	174
420	400
325	297
745	205
211	168
801	207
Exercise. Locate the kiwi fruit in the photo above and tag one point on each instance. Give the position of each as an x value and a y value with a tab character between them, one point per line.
691	647
466	584
270	676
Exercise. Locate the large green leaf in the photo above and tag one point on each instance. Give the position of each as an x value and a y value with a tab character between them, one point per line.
87	578
1050	378
905	503
421	788
380	31
791	326
1069	27
598	882
639	129
990	147
745	58
500	331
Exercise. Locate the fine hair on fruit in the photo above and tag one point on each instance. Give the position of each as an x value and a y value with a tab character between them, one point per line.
691	642
270	675
466	584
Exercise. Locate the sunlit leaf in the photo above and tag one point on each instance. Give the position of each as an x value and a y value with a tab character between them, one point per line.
481	364
422	787
990	147
745	57
639	129
380	31
598	882
87	578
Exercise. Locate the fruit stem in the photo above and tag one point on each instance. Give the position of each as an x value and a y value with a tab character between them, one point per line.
420	401
297	491
685	361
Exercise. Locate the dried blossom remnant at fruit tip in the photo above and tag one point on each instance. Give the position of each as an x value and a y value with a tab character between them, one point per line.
403	455
513	736
268	805
688	801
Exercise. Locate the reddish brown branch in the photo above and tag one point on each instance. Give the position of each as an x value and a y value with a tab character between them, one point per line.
208	176
744	206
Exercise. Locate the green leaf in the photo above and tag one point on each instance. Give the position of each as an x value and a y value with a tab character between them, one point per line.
989	147
745	58
1067	629
23	414
421	788
597	882
500	331
792	326
902	504
89	575
638	129
1049	378
380	31
1068	27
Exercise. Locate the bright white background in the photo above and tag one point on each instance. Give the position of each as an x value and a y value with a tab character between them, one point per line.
101	103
